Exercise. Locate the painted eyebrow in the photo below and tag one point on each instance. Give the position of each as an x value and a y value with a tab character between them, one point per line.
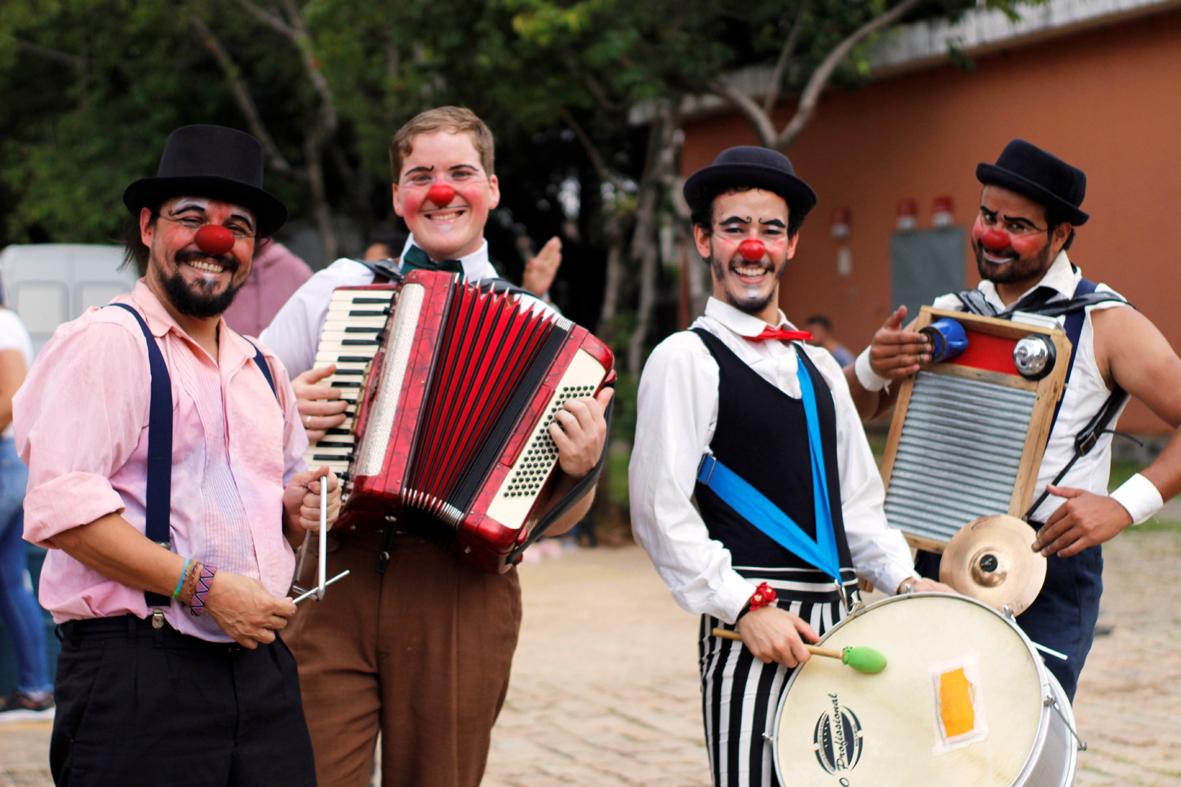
420	168
190	207
992	214
735	220
772	223
185	207
1019	220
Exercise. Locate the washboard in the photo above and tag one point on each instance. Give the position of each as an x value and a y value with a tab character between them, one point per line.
968	434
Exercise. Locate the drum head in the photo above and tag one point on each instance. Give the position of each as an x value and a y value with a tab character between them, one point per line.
959	703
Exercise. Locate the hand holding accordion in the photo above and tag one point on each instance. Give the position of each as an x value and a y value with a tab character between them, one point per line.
452	391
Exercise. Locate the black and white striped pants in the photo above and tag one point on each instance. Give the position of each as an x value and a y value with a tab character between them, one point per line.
740	695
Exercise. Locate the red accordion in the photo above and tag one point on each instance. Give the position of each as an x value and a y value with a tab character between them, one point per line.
452	413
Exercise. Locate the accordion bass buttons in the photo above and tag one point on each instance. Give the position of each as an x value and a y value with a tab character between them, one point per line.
1034	357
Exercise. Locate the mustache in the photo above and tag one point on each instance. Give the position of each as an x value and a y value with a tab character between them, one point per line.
1008	252
191	256
738	261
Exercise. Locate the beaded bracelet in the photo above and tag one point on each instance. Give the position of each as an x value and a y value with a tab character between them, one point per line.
180	583
190	582
204	582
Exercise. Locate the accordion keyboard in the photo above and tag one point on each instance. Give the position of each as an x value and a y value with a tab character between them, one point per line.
351	336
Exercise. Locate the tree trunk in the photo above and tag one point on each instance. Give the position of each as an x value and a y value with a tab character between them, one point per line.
663	149
321	210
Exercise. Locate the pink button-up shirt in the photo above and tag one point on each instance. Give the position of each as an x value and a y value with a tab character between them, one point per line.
81	423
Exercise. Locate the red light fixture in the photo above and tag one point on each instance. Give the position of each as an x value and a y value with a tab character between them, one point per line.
906	216
942	214
841	225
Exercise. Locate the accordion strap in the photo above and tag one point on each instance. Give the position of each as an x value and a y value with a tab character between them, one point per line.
383	270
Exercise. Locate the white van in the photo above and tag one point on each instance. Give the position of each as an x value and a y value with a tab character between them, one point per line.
50	283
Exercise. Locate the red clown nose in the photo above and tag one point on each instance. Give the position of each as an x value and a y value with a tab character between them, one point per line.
752	250
441	194
214	239
994	240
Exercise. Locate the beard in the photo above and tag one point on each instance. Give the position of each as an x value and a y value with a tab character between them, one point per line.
750	303
1018	270
203	303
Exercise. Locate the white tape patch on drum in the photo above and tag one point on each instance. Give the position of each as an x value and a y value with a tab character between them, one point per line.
957	696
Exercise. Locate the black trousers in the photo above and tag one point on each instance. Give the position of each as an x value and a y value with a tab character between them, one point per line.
144	706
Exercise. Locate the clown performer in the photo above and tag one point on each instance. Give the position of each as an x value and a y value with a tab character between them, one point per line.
166	477
739	410
1030	205
418	646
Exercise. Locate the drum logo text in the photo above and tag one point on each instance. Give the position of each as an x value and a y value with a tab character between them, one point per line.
837	738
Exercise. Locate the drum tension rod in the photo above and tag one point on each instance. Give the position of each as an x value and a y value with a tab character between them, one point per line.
1052	702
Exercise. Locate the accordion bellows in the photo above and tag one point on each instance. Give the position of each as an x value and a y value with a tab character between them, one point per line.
453	412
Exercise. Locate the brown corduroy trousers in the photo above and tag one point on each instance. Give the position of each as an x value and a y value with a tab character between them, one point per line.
420	653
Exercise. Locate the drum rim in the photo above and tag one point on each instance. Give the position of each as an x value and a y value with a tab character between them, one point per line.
1049	684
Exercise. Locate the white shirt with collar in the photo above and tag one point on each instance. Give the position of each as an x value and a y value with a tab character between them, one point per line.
1084	395
294	333
677	415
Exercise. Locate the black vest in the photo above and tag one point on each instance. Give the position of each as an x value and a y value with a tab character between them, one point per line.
762	436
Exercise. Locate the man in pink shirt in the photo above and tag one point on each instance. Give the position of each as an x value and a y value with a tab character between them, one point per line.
165	477
274	277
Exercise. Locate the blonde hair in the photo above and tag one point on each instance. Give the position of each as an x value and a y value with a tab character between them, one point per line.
457	120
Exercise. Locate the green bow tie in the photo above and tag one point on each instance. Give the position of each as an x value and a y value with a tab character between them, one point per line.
417	259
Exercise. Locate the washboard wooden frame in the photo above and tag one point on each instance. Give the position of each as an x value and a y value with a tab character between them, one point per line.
967	435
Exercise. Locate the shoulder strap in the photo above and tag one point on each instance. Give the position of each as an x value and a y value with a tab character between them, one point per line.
1084	295
158	504
974	302
383	271
261	362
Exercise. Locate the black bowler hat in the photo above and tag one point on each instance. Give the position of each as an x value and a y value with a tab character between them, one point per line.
1041	176
215	162
752	167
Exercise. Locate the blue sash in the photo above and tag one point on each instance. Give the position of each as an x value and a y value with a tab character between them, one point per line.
753	506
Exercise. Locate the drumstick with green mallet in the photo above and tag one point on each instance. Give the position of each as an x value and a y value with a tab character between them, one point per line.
859	657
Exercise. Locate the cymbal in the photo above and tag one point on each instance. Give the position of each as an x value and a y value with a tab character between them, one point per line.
990	560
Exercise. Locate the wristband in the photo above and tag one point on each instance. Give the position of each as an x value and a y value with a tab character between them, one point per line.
204	582
1140	497
869	379
764	596
180	583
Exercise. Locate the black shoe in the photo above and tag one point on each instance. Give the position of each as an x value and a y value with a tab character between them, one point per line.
26	705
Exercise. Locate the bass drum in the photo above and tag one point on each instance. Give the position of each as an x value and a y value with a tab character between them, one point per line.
964	700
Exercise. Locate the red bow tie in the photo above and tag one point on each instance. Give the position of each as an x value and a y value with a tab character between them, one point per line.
782	335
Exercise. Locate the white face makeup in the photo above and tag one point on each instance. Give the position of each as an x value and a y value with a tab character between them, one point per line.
749	285
195	281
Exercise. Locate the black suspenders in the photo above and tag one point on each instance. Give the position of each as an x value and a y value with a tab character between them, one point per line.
158	505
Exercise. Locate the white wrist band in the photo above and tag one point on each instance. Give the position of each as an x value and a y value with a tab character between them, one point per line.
1140	497
868	378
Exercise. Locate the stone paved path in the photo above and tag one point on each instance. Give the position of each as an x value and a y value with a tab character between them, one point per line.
605	680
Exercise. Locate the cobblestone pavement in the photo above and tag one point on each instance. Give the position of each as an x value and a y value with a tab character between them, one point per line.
605	680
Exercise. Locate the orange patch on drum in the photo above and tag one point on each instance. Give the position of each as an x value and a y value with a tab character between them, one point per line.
959	707
955	703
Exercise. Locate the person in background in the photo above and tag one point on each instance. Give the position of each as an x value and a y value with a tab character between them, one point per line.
276	275
384	245
540	268
821	329
18	607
